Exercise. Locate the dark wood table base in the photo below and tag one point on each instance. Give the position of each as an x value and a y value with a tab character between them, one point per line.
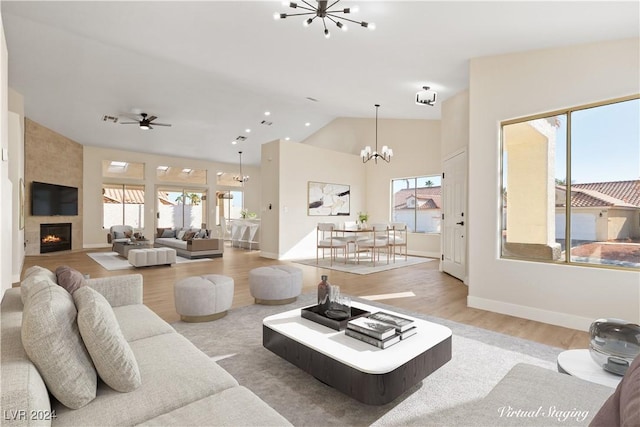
372	389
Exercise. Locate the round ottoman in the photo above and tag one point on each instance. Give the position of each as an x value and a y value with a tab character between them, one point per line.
203	298
275	285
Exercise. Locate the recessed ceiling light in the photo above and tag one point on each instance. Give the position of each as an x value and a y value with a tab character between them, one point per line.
267	113
307	124
247	130
234	142
287	139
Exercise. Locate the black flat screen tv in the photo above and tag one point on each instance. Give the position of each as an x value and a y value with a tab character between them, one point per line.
53	200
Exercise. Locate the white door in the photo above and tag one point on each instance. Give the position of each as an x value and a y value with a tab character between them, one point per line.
454	201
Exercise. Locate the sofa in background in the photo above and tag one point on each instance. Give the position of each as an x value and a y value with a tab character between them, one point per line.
178	384
190	242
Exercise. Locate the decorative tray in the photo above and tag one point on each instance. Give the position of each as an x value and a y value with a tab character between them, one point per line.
313	313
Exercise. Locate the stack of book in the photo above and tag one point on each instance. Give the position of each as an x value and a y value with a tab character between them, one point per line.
381	329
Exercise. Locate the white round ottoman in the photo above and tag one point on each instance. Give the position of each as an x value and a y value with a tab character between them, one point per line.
203	298
275	285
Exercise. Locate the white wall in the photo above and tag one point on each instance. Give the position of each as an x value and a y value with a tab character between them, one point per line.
516	85
6	207
95	235
16	176
297	165
455	124
417	152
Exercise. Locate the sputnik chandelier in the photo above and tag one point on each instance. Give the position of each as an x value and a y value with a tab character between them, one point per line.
323	10
386	152
241	178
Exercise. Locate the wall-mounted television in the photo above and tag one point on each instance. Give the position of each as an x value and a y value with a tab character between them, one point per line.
52	199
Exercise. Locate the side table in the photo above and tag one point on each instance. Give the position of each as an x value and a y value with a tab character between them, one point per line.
578	363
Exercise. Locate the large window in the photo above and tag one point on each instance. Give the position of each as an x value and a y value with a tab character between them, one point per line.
571	187
416	201
123	204
181	207
230	205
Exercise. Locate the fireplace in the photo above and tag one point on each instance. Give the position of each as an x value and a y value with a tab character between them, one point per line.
55	237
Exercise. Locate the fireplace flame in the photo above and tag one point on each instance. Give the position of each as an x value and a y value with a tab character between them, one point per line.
51	239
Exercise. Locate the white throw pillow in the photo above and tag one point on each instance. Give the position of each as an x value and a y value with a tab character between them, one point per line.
110	352
181	234
52	341
32	277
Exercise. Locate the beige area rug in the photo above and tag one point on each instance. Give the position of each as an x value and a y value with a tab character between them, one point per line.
365	266
113	261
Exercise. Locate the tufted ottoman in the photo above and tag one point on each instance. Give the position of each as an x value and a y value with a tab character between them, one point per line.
274	285
203	298
151	256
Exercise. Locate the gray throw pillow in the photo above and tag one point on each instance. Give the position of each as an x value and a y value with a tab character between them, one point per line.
118	235
52	341
69	278
34	278
109	350
168	233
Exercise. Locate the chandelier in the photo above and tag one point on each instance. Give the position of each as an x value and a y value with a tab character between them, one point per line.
385	154
324	11
241	178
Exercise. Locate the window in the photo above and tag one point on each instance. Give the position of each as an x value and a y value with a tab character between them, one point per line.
186	176
229	205
417	202
181	207
123	204
121	169
570	186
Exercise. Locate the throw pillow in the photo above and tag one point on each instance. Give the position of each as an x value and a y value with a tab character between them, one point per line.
188	236
201	234
128	234
181	234
623	406
109	350
52	341
168	233
34	278
69	278
118	235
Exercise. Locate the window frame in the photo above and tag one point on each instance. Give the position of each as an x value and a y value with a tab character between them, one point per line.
415	205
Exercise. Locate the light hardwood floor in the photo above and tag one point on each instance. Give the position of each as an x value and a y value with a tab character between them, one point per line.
437	294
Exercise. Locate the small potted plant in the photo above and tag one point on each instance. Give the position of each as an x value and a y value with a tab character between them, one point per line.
363	217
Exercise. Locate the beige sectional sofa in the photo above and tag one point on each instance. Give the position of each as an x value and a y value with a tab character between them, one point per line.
179	384
189	243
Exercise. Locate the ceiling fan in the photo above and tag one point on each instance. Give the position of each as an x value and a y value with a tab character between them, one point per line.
145	122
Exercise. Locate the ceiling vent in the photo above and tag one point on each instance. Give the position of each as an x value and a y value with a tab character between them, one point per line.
107	118
266	123
241	138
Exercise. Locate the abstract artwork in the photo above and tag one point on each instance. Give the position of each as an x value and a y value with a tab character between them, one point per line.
328	199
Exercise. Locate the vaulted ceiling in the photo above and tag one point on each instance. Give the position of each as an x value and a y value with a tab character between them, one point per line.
212	69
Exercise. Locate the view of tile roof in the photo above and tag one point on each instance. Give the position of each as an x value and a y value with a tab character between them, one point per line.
627	191
427	197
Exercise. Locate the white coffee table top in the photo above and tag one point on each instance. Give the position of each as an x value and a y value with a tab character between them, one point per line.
357	354
578	363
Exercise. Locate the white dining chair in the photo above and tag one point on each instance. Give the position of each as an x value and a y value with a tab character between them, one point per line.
377	241
325	239
398	238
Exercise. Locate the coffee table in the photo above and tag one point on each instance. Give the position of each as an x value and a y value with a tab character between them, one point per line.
368	374
123	248
578	363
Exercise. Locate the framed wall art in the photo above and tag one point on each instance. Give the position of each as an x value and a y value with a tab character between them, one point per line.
325	199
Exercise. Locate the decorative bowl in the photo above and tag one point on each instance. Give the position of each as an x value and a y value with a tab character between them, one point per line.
613	344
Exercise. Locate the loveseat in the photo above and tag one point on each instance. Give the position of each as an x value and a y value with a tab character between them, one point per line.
190	242
173	382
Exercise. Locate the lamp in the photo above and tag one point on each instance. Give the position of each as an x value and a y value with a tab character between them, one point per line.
323	11
386	152
426	96
241	178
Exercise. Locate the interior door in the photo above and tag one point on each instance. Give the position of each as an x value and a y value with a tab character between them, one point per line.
454	200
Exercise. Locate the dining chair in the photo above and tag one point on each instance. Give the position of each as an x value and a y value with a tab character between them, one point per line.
325	239
398	238
377	241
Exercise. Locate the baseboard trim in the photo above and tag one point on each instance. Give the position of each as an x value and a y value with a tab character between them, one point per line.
270	255
532	313
424	254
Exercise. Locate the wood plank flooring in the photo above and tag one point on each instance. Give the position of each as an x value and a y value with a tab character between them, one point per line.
436	293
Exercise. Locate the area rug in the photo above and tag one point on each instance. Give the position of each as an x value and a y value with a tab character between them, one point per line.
365	266
480	359
113	261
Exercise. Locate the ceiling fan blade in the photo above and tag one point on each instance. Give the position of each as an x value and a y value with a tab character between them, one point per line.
152	118
129	123
161	124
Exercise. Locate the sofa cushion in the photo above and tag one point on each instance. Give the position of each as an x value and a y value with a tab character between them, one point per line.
623	406
235	406
52	341
174	373
139	322
69	278
32	277
168	233
110	352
